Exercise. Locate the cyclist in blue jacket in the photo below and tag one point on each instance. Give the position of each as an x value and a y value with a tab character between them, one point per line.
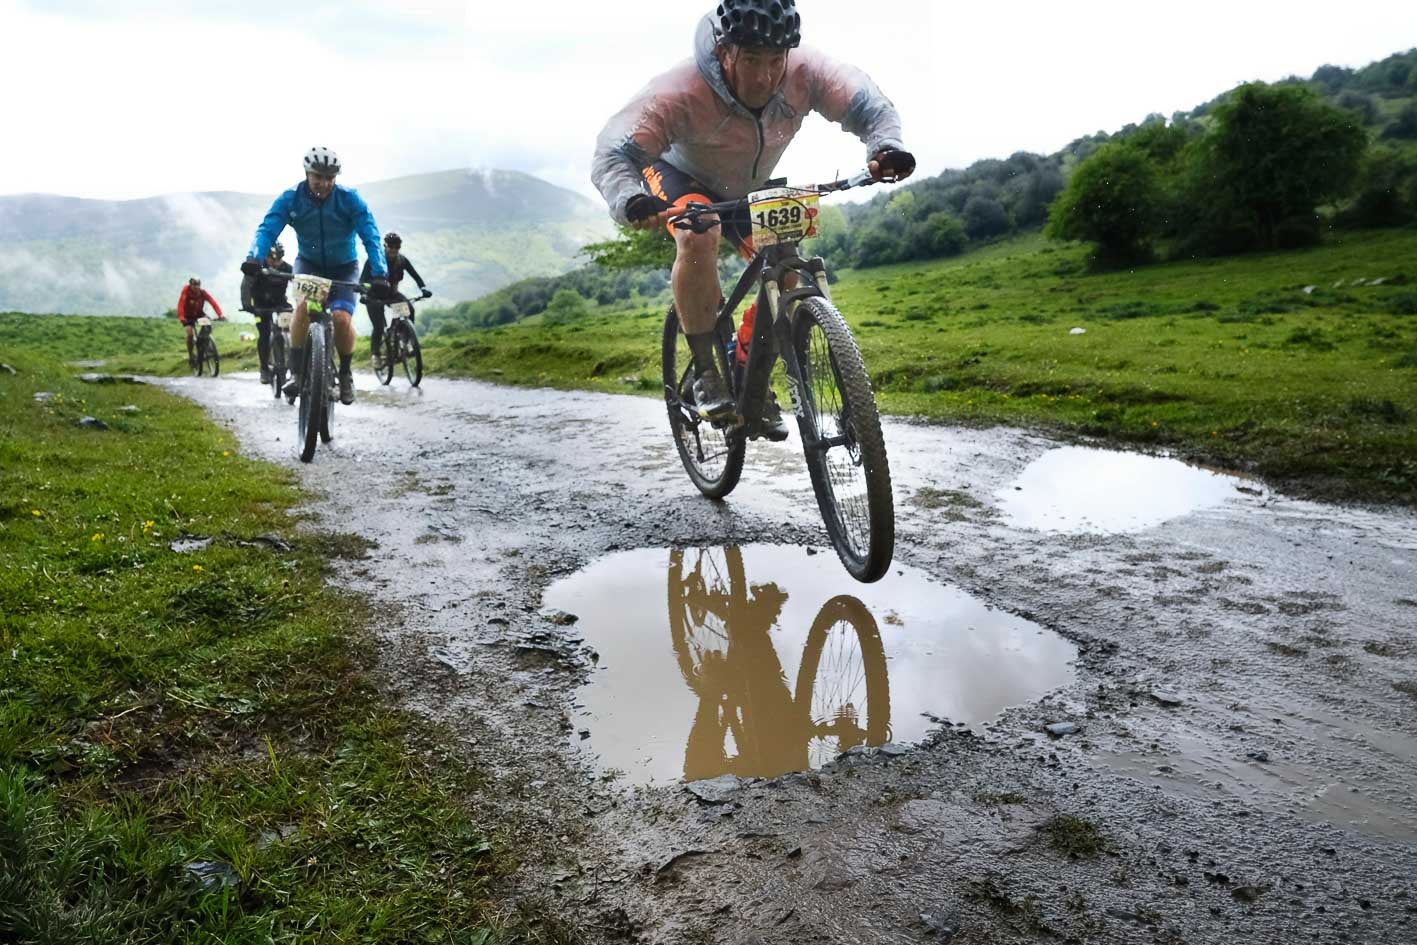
326	218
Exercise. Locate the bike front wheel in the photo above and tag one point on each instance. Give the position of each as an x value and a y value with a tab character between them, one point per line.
277	362
842	439
712	455
411	354
314	387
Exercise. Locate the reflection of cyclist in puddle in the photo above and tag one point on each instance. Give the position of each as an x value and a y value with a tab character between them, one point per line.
748	722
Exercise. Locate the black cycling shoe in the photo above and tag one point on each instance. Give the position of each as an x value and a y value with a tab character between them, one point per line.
772	427
346	387
711	399
292	389
265	375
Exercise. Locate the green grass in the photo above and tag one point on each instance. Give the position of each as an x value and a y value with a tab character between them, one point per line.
160	709
1227	361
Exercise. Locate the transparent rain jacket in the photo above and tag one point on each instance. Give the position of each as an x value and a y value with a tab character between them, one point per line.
689	118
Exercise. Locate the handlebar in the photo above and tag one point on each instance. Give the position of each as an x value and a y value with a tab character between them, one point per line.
276	273
690	217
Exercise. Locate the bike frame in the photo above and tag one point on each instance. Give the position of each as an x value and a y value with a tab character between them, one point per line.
773	327
772	335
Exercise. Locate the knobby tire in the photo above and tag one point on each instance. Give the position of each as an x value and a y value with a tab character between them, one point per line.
411	354
712	456
853	480
313	389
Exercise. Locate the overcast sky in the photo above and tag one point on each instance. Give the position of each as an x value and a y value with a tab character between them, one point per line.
140	97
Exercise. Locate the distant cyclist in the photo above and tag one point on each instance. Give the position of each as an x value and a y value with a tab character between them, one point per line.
712	129
398	264
191	305
263	295
327	219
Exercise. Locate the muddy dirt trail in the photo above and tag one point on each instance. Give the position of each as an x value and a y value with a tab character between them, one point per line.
1101	697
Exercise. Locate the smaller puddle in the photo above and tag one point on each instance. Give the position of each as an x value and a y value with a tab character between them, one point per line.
762	660
1077	489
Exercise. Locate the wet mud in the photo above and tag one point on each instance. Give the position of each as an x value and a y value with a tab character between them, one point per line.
1192	722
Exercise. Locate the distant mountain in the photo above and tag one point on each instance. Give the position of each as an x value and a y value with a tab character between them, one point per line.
468	232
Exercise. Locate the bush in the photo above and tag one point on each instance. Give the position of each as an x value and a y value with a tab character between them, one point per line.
1113	201
1274	154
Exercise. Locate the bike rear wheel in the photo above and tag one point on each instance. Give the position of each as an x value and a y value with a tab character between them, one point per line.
712	456
213	358
843	443
410	353
314	387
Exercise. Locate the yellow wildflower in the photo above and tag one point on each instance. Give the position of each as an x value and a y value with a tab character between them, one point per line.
197	567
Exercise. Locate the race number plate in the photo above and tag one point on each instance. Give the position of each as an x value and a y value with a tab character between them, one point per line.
782	215
311	288
283	319
400	309
204	322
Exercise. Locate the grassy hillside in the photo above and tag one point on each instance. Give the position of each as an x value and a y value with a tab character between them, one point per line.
1230	361
163	711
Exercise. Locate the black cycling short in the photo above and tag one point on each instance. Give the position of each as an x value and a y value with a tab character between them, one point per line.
678	189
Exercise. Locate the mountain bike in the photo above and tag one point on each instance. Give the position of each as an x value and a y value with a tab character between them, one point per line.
826	377
401	341
319	371
207	358
279	345
749	722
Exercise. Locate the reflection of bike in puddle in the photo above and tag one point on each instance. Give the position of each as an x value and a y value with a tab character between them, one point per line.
749	722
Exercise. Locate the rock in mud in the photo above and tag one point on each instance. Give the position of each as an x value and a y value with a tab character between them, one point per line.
43	396
1167	698
92	423
941	924
560	618
1059	729
894	750
1261	756
719	790
1249	893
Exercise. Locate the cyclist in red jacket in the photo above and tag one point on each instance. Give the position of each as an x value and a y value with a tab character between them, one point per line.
190	306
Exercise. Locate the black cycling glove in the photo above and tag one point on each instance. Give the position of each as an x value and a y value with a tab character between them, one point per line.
379	288
251	267
643	206
427	292
897	164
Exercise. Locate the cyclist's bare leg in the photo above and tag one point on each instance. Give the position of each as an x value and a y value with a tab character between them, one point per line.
694	280
344	332
299	326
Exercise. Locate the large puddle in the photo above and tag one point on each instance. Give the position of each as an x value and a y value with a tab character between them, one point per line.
765	659
1076	489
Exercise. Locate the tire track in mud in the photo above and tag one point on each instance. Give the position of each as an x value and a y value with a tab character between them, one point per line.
1245	695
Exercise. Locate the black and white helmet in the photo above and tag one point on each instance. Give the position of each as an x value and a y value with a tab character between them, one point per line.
774	24
322	161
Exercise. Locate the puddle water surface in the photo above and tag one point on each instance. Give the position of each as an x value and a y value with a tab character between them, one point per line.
761	660
1076	489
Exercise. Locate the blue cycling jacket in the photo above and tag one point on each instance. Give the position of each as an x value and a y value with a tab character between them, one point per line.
324	229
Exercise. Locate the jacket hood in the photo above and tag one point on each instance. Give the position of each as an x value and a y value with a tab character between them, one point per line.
706	58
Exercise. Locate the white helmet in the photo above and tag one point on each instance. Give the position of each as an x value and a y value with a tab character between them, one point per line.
322	161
